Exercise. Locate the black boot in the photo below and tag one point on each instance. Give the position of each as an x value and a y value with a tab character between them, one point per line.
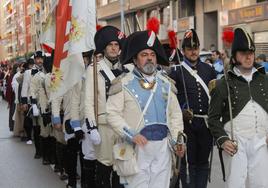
60	152
51	150
103	175
37	145
202	175
89	171
72	149
44	148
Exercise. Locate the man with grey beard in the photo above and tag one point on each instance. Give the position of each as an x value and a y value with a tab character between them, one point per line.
142	108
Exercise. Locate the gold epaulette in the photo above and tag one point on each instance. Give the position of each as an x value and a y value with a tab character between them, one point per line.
212	85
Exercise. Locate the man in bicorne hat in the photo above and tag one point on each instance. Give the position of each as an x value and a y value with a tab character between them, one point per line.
108	41
192	77
242	137
142	108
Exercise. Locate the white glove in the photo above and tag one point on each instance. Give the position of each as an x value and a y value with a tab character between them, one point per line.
94	136
36	111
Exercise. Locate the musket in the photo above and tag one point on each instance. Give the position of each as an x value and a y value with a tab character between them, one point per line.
95	82
188	108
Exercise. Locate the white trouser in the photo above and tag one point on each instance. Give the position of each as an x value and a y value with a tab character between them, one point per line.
248	167
154	161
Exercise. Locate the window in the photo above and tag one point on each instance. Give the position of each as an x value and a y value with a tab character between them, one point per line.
186	8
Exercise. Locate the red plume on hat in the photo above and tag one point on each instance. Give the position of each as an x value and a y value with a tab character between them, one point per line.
98	27
228	35
153	24
172	37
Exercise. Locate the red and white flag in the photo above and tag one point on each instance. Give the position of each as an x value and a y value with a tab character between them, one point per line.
74	34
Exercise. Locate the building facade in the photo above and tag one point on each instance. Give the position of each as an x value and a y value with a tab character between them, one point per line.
21	26
209	17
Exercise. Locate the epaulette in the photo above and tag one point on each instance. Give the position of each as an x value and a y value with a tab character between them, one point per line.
116	86
211	85
172	83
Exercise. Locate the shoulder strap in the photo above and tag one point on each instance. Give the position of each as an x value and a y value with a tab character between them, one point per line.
197	77
107	70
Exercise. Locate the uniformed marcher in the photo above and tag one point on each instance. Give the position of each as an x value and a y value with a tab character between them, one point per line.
142	108
192	77
28	105
238	117
108	40
87	156
39	97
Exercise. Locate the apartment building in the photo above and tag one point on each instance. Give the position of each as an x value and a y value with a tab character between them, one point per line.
21	26
209	17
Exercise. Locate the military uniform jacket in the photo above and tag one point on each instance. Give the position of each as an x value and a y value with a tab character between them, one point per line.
77	104
241	93
103	88
197	97
25	91
125	106
38	91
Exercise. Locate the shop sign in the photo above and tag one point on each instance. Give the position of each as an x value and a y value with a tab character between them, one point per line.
248	14
185	23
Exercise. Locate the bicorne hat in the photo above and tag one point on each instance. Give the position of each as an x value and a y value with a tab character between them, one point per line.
105	35
242	41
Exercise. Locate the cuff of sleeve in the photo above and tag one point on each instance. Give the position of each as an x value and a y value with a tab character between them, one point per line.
90	125
56	120
33	101
75	124
77	129
221	140
24	100
129	134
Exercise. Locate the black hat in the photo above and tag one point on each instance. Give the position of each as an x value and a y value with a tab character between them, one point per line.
172	53
142	40
190	39
88	54
242	41
39	54
106	35
21	60
48	64
123	54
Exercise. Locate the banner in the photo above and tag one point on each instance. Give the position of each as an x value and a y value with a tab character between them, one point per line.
75	30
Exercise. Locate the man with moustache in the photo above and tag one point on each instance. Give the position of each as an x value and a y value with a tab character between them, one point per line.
108	41
192	78
142	108
242	137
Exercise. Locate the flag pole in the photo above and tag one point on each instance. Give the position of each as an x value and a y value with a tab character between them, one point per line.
122	15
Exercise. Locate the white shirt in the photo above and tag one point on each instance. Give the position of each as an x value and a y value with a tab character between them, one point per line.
252	120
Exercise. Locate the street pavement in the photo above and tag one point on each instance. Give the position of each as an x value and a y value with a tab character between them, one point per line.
18	169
